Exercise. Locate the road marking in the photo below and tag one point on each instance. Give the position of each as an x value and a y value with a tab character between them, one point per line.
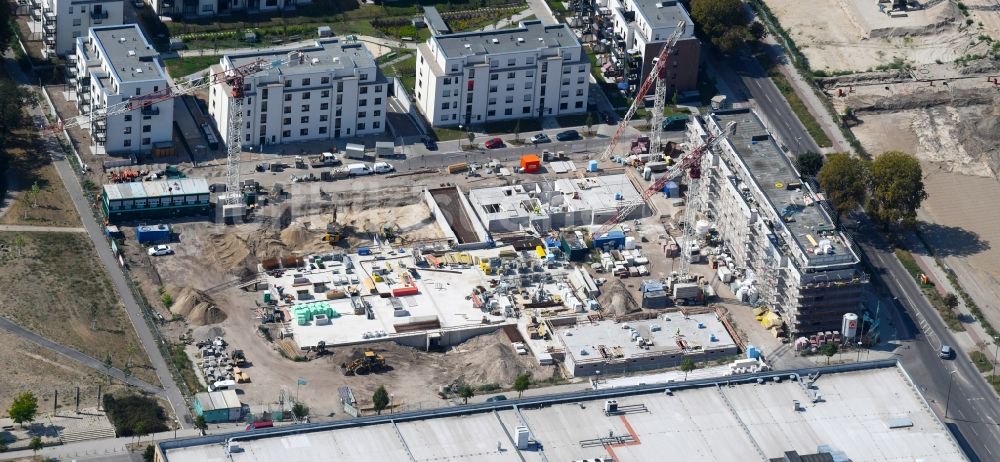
974	430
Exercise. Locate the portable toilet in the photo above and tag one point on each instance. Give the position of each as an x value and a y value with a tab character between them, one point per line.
671	189
530	163
592	166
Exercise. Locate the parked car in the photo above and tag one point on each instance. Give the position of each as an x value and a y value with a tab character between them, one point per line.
430	144
383	167
358	170
568	135
160	250
540	138
493	143
494	399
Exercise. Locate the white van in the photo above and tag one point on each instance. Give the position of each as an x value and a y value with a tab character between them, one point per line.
358	170
223	385
383	167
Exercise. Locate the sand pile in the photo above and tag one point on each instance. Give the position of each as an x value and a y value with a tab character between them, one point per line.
491	359
197	307
239	254
616	299
297	236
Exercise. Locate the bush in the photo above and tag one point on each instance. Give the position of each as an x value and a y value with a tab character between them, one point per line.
488	387
981	361
134	411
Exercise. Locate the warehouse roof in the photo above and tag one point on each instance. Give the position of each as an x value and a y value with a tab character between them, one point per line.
144	189
729	418
699	333
214	400
531	35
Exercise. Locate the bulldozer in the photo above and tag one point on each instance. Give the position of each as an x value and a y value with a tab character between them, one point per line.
369	362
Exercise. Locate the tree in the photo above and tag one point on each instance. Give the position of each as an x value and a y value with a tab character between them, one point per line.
24	408
845	180
36	444
148	454
809	164
19	243
723	23
139	429
108	364
897	189
465	392
380	399
12	103
521	383
471	136
6	28
589	122
687	365
951	301
300	410
829	349
517	131
200	424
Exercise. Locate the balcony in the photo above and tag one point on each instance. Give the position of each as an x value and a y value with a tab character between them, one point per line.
99	15
150	111
100	127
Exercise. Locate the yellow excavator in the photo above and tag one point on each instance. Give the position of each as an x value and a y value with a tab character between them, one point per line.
334	231
369	362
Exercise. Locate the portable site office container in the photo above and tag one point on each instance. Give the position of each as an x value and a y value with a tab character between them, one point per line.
144	200
218	406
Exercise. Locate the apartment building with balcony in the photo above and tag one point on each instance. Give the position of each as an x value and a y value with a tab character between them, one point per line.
638	30
60	22
195	8
114	64
472	78
776	227
330	90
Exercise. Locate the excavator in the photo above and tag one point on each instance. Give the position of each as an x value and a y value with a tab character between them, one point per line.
334	231
369	362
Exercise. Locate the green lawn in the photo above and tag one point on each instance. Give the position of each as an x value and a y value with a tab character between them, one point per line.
798	107
406	70
510	126
182	67
981	361
447	134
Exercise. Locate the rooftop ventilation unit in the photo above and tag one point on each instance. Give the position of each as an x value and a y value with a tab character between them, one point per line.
131	52
495	41
520	40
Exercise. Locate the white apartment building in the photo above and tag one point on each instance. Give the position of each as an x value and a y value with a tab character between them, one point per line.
331	90
60	22
190	8
116	64
477	77
642	26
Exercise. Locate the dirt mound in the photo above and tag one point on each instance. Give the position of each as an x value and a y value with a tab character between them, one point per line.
297	236
980	136
864	78
922	100
943	19
239	254
490	359
197	307
616	299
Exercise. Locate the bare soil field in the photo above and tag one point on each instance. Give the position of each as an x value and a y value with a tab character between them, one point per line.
53	285
52	205
853	35
29	368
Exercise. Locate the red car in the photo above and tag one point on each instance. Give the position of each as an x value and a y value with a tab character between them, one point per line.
493	143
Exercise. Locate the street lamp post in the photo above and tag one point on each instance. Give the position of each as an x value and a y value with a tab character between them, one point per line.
951	380
859	352
996	349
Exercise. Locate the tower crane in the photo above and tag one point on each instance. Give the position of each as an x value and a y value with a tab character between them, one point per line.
690	163
657	74
232	202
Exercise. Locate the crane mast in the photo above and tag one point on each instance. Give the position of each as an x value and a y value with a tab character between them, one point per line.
655	75
690	163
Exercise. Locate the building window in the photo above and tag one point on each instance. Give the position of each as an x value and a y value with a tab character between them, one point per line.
287	110
263	118
147	128
377	113
362	115
361	126
340	86
527	97
324	80
511	62
288	84
127	143
378	88
286	121
563	106
263	106
491	113
378	101
303	132
288	97
579	92
494	76
286	133
526	110
304	119
146	141
128	117
492	101
376	124
128	130
363	102
508	111
324	118
510	87
579	80
510	75
305	108
509	99
364	90
324	94
493	89
322	130
579	104
263	94
324	106
306	95
306	82
76	22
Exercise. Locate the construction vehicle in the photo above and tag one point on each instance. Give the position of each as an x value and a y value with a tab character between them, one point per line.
334	231
369	362
239	358
387	232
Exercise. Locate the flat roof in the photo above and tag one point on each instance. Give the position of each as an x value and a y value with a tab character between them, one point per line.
212	400
435	22
729	418
329	54
145	189
772	172
696	331
661	13
531	35
129	54
598	193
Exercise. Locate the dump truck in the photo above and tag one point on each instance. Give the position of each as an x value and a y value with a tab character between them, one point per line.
369	362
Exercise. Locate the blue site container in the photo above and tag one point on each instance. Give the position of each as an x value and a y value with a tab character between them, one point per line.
152	233
614	239
592	166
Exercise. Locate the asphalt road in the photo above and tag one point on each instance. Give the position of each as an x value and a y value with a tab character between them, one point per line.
75	355
69	179
744	75
973	411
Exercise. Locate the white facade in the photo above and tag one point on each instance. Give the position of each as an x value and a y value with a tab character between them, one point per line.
330	90
654	21
115	64
189	8
61	22
479	77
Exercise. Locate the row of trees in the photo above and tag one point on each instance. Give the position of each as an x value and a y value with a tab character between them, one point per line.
890	188
724	23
